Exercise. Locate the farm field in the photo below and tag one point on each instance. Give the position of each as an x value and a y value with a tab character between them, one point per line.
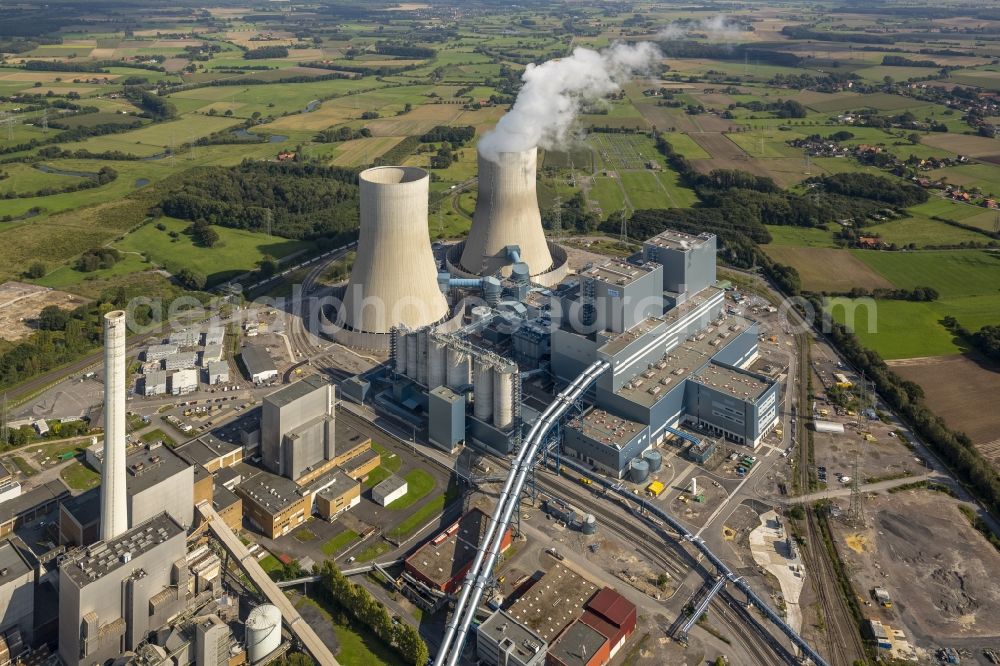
947	382
814	266
800	236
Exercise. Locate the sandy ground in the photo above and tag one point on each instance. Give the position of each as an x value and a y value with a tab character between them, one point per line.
20	304
768	545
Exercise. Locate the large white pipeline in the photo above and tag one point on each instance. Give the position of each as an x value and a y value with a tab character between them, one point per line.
476	578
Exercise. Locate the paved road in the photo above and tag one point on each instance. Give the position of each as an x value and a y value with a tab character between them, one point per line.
845	491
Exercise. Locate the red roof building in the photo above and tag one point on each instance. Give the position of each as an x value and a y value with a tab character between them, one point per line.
613	615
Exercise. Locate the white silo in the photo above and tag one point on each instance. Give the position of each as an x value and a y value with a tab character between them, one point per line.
459	369
411	354
394	279
503	396
421	336
506	214
263	632
437	352
482	389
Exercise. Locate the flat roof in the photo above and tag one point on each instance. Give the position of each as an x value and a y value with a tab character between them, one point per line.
552	603
607	428
218	367
738	383
347	439
223	498
156	377
577	645
43	494
445	393
618	342
505	631
102	558
442	558
85	507
335	484
150	466
391	484
205	449
681	362
257	361
13	564
300	389
678	240
616	271
271	492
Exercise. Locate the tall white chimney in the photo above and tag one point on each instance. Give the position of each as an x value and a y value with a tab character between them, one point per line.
506	214
114	509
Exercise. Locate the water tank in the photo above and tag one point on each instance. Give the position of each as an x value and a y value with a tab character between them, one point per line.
492	290
263	632
654	458
422	356
481	313
503	397
482	390
459	371
411	355
436	359
639	470
589	525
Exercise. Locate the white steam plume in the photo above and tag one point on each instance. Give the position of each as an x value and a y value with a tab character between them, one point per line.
555	91
718	29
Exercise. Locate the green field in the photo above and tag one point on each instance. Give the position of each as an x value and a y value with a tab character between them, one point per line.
236	252
418	484
899	329
339	542
801	236
80	477
356	645
954	273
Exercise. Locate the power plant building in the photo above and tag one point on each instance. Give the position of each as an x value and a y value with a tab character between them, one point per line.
503	641
218	372
259	366
112	594
298	427
17	589
155	383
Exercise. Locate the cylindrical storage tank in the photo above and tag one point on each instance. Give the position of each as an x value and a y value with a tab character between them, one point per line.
263	632
654	458
589	525
399	345
422	356
482	390
411	355
506	214
459	369
639	470
395	278
480	313
436	360
519	273
492	290
503	397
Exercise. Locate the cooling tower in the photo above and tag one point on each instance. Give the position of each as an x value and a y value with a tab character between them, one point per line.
114	508
394	279
506	214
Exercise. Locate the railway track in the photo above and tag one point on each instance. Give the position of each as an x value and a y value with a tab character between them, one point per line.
843	642
759	644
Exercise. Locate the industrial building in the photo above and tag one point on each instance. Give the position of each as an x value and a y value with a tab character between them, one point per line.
389	491
553	602
258	364
155	383
273	504
218	373
31	505
441	563
503	641
157	480
180	361
17	588
298	427
160	352
336	493
211	452
210	354
112	594
183	382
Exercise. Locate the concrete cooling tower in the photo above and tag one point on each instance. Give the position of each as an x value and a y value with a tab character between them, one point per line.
507	216
394	279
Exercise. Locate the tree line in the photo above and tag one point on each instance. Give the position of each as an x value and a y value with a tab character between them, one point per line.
292	200
986	339
357	601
